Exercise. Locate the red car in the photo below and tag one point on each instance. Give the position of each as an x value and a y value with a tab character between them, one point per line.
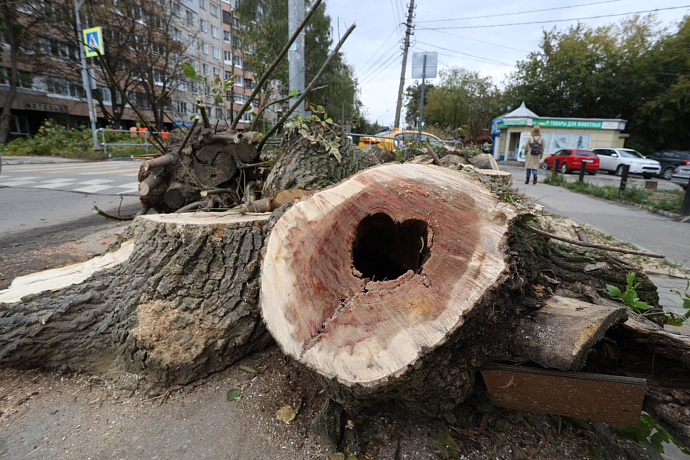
572	159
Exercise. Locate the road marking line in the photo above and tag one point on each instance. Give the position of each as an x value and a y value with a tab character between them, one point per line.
96	182
92	188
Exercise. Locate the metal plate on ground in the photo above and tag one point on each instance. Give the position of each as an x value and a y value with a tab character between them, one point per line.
602	398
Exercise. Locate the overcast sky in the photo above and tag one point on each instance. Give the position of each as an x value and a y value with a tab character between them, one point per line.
448	27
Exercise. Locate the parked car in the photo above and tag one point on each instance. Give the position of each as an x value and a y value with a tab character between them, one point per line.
670	159
392	140
612	160
681	176
571	160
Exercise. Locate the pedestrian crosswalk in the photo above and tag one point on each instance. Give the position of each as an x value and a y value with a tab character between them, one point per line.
103	178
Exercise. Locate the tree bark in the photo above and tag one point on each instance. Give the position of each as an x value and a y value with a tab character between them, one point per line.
10	17
303	163
182	305
390	284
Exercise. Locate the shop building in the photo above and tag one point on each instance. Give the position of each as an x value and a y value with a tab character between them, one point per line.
510	132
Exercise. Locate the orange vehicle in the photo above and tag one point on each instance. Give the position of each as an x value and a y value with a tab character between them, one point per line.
392	140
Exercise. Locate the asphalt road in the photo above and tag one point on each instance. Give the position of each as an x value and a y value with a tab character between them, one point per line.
648	231
35	196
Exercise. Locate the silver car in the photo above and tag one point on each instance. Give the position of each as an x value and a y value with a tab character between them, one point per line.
612	160
681	176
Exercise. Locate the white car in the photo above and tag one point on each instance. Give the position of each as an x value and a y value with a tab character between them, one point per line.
612	160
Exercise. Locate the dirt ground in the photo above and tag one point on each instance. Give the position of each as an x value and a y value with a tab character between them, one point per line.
46	415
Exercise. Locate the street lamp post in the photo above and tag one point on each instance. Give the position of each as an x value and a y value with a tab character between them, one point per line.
85	76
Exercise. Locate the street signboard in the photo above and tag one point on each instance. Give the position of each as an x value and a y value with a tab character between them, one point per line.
418	64
93	39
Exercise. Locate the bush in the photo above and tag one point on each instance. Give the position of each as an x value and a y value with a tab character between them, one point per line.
53	140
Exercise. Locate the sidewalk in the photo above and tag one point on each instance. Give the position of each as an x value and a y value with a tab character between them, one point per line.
27	160
648	231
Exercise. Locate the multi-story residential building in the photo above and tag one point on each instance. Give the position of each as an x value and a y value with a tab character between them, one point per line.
210	37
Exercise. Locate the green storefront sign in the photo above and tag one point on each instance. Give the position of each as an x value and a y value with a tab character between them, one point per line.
568	124
546	123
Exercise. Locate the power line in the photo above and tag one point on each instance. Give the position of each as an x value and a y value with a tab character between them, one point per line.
389	52
556	20
480	41
465	54
379	49
520	12
373	71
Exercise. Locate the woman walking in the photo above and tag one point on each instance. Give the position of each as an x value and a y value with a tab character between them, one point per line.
534	149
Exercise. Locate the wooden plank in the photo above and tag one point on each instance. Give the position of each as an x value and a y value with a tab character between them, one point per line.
602	398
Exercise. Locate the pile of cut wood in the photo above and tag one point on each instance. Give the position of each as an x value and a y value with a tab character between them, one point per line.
400	282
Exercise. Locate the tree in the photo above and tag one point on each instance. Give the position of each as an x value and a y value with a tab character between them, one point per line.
413	96
143	52
463	100
267	30
17	31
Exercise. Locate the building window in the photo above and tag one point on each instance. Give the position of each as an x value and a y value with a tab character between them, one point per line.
228	75
204	47
214	10
240	98
214	32
206	71
228	56
236	23
142	101
216	53
158	76
216	71
195	88
25	79
239	81
219	112
202	4
228	96
227	19
190	18
237	61
177	34
236	42
226	36
176	9
181	85
181	107
190	40
203	25
247	117
248	83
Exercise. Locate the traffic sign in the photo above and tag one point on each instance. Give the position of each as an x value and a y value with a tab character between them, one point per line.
93	39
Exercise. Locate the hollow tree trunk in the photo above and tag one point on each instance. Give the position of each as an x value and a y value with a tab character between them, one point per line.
177	300
394	284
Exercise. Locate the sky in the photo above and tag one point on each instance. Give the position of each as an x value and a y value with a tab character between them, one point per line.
459	32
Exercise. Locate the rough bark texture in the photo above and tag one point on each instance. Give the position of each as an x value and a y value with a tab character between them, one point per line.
303	163
183	305
210	160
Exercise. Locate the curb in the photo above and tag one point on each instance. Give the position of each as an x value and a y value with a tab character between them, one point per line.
670	215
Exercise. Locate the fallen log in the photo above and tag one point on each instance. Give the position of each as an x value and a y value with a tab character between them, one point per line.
176	298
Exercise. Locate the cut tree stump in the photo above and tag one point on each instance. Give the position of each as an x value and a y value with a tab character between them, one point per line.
365	281
176	298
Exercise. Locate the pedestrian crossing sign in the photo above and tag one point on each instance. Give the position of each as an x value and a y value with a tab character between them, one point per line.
93	39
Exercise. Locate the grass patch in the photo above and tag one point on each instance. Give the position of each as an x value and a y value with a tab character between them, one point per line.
666	200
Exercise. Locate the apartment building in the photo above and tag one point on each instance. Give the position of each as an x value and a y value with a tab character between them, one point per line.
208	32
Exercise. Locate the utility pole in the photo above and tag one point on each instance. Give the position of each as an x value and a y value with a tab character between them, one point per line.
296	51
86	81
408	32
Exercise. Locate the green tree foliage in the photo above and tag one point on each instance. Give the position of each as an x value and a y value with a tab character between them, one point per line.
463	102
633	70
267	31
413	97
